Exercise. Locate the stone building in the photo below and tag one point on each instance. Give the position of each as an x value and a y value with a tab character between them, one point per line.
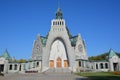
59	51
111	63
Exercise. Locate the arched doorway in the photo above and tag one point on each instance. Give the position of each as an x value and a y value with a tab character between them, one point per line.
58	55
58	62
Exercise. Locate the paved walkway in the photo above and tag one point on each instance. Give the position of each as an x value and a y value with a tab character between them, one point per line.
52	76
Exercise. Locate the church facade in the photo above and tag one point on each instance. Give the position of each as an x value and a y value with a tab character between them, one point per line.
59	51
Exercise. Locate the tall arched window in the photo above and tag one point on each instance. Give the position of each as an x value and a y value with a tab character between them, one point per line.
60	22
101	65
79	63
20	67
106	65
96	66
10	67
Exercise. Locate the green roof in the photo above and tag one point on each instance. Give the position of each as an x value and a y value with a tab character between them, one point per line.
73	40
43	40
112	53
6	55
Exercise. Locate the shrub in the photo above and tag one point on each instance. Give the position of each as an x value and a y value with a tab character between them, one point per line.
116	72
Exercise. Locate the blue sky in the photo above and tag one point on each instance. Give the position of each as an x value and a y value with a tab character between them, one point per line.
98	21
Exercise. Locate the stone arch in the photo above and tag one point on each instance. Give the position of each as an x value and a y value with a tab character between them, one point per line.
63	42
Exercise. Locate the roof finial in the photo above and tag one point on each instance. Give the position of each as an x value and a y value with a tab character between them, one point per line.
59	12
58	5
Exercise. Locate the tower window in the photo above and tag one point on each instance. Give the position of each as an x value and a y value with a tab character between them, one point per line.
60	22
53	23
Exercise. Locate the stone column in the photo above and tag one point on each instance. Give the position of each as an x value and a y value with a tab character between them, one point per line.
111	65
13	67
6	67
34	64
103	65
119	64
39	67
98	66
17	67
95	65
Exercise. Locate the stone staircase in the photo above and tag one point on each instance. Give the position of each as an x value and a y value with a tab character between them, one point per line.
58	70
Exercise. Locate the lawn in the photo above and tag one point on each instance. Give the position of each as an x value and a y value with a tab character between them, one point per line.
100	75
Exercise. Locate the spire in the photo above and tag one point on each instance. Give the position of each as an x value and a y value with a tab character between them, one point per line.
112	53
59	13
6	55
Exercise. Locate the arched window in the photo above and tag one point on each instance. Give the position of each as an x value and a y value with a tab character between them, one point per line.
79	63
10	67
60	22
20	68
15	68
96	66
37	64
106	65
101	65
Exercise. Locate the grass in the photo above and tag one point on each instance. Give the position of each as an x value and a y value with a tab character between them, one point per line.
100	75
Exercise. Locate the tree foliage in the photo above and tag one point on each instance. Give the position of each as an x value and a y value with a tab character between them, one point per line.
20	61
103	56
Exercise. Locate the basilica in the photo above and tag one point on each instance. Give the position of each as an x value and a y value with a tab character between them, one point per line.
59	51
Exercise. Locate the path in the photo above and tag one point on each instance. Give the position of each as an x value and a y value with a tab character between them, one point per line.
50	76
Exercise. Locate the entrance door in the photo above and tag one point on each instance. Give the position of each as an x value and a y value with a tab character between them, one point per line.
51	64
2	68
65	63
115	66
58	62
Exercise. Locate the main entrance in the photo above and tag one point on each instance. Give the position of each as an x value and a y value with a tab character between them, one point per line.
58	62
115	66
58	56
